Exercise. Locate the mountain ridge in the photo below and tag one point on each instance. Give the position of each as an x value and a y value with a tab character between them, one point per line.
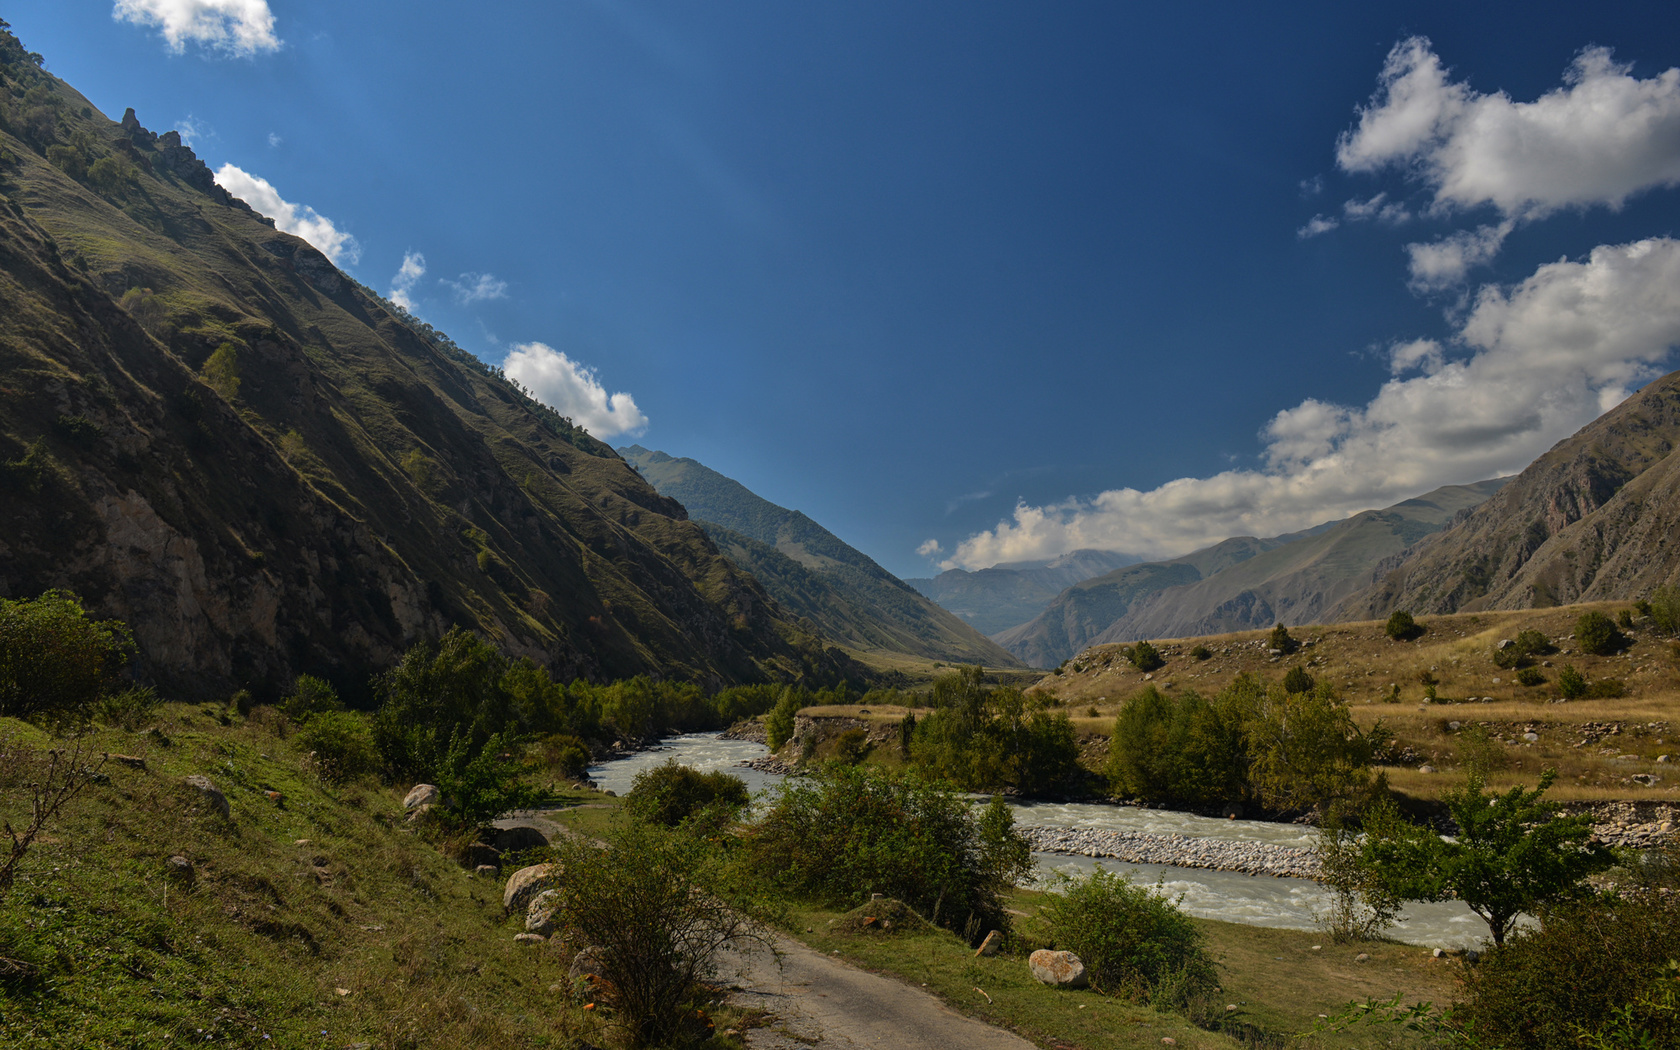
1008	594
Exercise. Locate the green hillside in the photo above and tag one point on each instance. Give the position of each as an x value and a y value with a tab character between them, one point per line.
212	433
811	572
995	599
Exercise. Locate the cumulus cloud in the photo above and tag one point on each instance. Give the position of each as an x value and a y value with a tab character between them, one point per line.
477	287
402	282
1534	363
930	548
239	27
1316	225
192	130
1601	138
573	390
1443	264
298	219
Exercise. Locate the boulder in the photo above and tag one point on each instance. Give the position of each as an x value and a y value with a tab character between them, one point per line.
529	938
543	911
524	884
478	853
422	795
179	868
585	964
514	839
1059	969
990	946
486	869
210	793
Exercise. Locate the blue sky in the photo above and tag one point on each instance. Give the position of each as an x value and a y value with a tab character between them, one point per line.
986	281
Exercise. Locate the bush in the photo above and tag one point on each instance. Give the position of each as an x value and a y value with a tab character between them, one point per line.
310	696
1297	680
343	746
1134	942
481	783
567	753
1607	689
1182	749
1280	640
1531	676
1533	643
127	709
1401	627
1571	683
778	724
1145	657
1596	634
1665	609
1201	652
853	831
53	658
671	794
1593	975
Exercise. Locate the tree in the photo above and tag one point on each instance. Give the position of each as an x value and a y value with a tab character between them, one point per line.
1401	627
1280	640
1297	680
1305	750
1571	683
221	371
1596	633
1513	854
1665	609
1145	657
53	658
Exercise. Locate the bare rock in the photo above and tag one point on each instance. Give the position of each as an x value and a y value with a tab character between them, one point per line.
519	837
1058	969
543	911
524	884
529	938
210	793
486	869
586	964
990	946
422	795
179	869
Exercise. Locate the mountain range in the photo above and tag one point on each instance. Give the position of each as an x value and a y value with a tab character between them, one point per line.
813	574
1009	594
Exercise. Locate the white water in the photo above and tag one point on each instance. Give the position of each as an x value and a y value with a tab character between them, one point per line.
1258	900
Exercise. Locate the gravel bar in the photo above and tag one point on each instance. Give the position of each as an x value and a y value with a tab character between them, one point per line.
1182	851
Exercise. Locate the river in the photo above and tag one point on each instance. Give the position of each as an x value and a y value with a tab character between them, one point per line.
1258	900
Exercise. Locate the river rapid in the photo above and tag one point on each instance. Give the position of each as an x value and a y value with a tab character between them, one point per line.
1259	900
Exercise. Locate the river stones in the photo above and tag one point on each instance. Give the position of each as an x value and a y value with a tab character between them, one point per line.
1183	851
1058	969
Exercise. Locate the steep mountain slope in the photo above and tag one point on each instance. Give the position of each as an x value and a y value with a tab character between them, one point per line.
209	431
1004	596
1300	581
1084	611
812	572
1593	519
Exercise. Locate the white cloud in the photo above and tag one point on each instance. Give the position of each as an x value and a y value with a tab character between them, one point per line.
240	27
573	390
1379	207
298	219
1316	225
274	140
477	287
930	548
1540	360
1444	263
402	282
1601	138
191	130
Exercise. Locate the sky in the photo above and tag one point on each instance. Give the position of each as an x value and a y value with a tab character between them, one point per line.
974	282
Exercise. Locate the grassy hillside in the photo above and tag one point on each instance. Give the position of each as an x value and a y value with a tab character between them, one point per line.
1591	520
213	434
1005	596
814	574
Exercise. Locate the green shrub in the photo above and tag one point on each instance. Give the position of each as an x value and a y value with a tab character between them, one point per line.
53	659
1607	689
1624	619
1280	640
1596	975
1665	609
1596	634
852	831
1201	652
1401	627
670	794
481	783
1479	752
310	696
343	746
1144	657
1134	941
778	724
1531	676
126	709
1297	680
1571	683
566	753
1182	749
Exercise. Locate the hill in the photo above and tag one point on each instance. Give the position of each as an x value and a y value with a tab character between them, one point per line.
811	572
1591	520
995	599
1241	584
209	431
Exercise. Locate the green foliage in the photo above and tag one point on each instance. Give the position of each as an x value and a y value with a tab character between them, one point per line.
127	709
671	794
53	658
1305	750
1665	609
982	738
111	175
1200	652
1145	657
68	159
1512	854
1598	975
1478	752
221	371
1281	640
343	745
1401	627
778	724
1182	749
1531	676
480	783
310	696
658	907
31	472
1134	941
1624	619
1361	905
566	753
1571	683
853	830
1298	680
1596	634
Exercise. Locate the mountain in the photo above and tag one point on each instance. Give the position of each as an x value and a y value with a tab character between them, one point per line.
812	572
1009	594
209	431
1241	584
1594	519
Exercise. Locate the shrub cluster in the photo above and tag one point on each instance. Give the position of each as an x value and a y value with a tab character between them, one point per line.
1596	633
671	794
54	660
1134	941
983	738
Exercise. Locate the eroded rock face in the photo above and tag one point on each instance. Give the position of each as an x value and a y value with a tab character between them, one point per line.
1059	969
524	885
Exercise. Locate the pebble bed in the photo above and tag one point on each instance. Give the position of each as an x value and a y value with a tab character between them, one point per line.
1182	851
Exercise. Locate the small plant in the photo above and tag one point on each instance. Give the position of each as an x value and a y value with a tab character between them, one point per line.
310	696
1298	680
1426	678
1280	641
343	746
1571	683
1624	619
127	709
1201	652
1133	940
51	782
1595	634
1531	676
1145	657
1361	907
1401	627
1479	752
